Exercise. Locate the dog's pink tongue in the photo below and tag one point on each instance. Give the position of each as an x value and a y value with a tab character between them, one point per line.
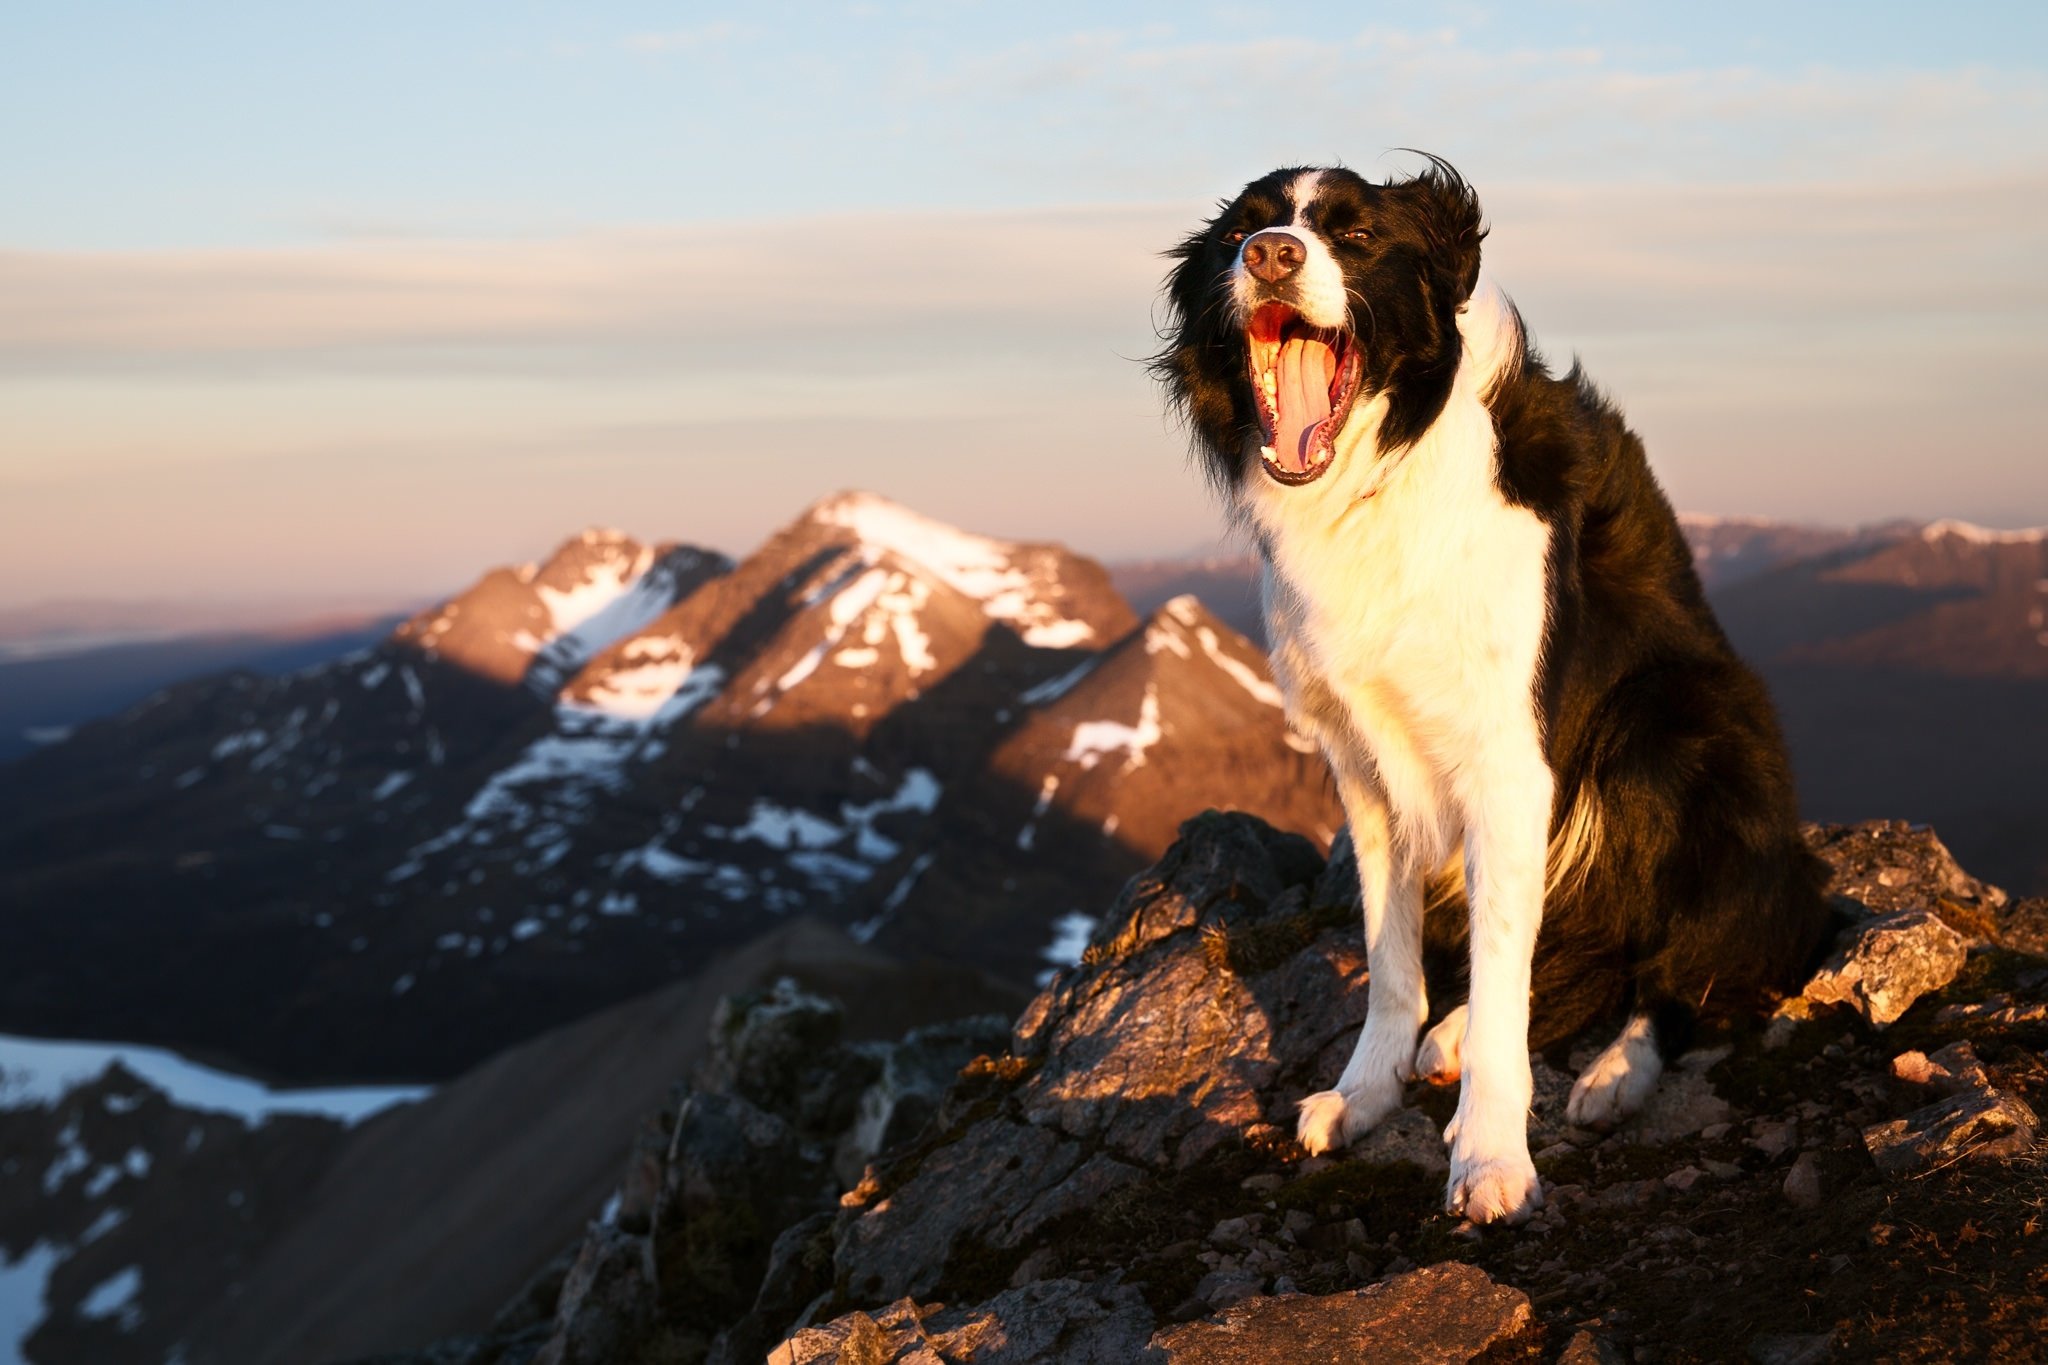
1304	369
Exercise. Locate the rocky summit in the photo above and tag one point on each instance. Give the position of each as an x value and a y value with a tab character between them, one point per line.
1113	1177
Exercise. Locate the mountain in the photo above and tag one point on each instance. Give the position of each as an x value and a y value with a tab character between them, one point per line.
572	782
137	1184
49	686
158	1209
1911	675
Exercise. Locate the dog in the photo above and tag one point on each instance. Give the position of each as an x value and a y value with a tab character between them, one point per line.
1479	605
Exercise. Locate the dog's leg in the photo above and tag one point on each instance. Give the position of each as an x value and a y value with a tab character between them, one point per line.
1620	1078
1506	827
1440	1059
1396	1005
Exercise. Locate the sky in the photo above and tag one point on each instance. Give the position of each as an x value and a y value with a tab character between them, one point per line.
352	301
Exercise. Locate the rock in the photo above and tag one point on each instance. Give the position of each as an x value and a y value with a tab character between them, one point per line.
1774	1137
1684	1178
1998	1010
1218	996
1880	967
799	1269
1586	1349
1221	1288
1063	1320
1020	1178
915	1075
1951	1071
608	1301
1882	866
1406	1135
1793	1348
1977	1124
1802	1183
1445	1313
763	1042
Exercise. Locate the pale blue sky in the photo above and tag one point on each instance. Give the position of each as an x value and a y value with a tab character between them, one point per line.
361	297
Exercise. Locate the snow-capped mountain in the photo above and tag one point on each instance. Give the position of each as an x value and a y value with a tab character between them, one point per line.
574	780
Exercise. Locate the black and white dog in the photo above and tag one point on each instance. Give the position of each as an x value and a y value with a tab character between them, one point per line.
1480	605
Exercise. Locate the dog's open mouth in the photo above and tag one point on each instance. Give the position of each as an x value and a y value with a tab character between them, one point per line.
1306	379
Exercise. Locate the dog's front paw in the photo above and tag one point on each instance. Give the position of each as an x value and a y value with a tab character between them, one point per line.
1331	1119
1494	1189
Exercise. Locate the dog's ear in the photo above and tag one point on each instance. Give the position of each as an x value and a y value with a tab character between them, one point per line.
1453	223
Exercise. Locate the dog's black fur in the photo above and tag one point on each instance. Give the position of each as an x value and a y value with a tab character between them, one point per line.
1703	893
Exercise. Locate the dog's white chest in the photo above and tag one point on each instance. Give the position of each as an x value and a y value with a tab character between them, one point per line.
1421	612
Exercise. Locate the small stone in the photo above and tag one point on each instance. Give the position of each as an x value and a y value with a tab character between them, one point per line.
1586	1349
1684	1178
1802	1183
1774	1137
1714	1132
1264	1184
1296	1224
1978	1124
1722	1170
1234	1233
1357	1266
1220	1289
1952	1070
1880	967
1355	1234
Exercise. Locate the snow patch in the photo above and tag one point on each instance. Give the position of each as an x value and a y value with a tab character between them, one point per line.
1095	738
116	1297
1982	535
976	566
37	1071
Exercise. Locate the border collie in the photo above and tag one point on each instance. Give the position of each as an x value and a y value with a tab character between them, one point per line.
1480	606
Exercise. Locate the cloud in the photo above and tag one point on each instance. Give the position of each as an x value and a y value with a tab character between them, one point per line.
1785	349
694	39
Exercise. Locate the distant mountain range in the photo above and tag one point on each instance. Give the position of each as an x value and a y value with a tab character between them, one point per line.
568	783
571	782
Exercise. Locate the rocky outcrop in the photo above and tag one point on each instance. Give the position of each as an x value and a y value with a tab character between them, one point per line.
1116	1178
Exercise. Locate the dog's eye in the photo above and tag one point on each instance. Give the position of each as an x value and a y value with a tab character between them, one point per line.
1358	235
1233	238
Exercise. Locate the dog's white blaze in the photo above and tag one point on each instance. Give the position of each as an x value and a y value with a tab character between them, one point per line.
1319	294
1413	593
1619	1079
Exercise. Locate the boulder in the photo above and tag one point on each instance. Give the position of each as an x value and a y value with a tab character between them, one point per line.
1063	1320
1882	866
1976	1125
1442	1313
1881	966
1218	1004
608	1301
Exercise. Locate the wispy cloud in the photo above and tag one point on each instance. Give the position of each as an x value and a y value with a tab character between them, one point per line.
693	39
1790	350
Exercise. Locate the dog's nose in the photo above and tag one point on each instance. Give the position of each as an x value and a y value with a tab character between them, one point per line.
1273	256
